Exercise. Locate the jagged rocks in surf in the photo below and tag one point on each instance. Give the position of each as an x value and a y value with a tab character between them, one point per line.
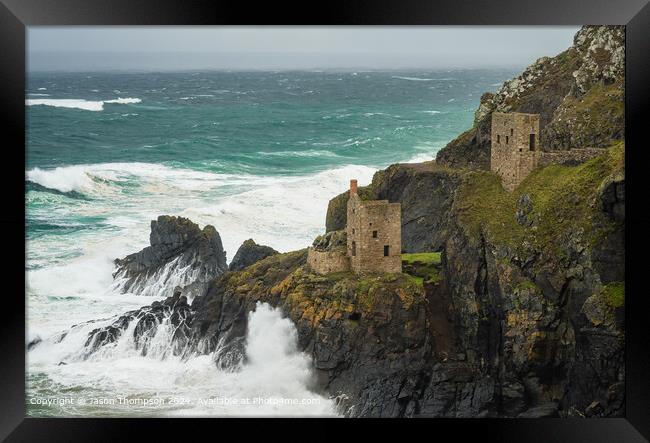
157	329
248	253
172	327
180	254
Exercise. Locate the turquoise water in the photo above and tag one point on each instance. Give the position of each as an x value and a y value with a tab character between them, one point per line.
256	154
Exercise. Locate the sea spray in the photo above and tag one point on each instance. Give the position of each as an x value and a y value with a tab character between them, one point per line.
275	378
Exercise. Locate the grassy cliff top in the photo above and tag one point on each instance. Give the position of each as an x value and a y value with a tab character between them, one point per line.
432	258
283	278
546	206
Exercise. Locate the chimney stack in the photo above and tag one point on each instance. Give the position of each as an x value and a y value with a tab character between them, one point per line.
353	187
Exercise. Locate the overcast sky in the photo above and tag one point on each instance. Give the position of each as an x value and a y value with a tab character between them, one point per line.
238	48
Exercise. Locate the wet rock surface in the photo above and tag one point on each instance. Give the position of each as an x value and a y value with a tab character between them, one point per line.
143	324
180	254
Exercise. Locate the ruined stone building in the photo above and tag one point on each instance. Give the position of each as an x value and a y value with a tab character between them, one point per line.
374	234
514	146
373	239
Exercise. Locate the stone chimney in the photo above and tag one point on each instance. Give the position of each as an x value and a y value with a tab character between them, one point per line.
353	187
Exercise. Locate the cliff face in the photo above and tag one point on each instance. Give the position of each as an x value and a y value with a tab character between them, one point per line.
579	95
533	281
536	280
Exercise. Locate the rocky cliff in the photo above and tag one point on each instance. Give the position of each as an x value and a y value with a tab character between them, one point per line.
179	254
521	314
579	95
533	279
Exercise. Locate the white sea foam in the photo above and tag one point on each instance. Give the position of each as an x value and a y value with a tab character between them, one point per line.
94	178
431	112
86	105
276	378
64	179
124	101
286	213
414	79
311	153
372	114
161	283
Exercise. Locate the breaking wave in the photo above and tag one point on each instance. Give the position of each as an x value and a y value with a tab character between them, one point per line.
160	283
414	79
274	375
284	212
83	104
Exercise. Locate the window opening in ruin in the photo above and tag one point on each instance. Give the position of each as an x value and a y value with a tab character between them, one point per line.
498	138
374	234
512	132
386	250
506	139
532	142
354	249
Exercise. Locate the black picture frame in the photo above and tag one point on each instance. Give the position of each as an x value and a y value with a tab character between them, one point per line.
16	15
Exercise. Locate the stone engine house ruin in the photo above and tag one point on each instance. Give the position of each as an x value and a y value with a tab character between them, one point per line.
374	234
373	239
514	146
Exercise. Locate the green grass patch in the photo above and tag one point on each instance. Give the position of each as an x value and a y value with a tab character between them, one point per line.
414	279
614	294
422	267
422	257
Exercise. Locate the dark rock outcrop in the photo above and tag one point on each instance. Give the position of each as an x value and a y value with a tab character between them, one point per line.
579	95
180	254
248	253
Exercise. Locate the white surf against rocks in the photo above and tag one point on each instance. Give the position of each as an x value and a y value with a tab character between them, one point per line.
275	380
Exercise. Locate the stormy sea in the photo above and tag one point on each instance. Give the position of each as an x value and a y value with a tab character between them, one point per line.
255	154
